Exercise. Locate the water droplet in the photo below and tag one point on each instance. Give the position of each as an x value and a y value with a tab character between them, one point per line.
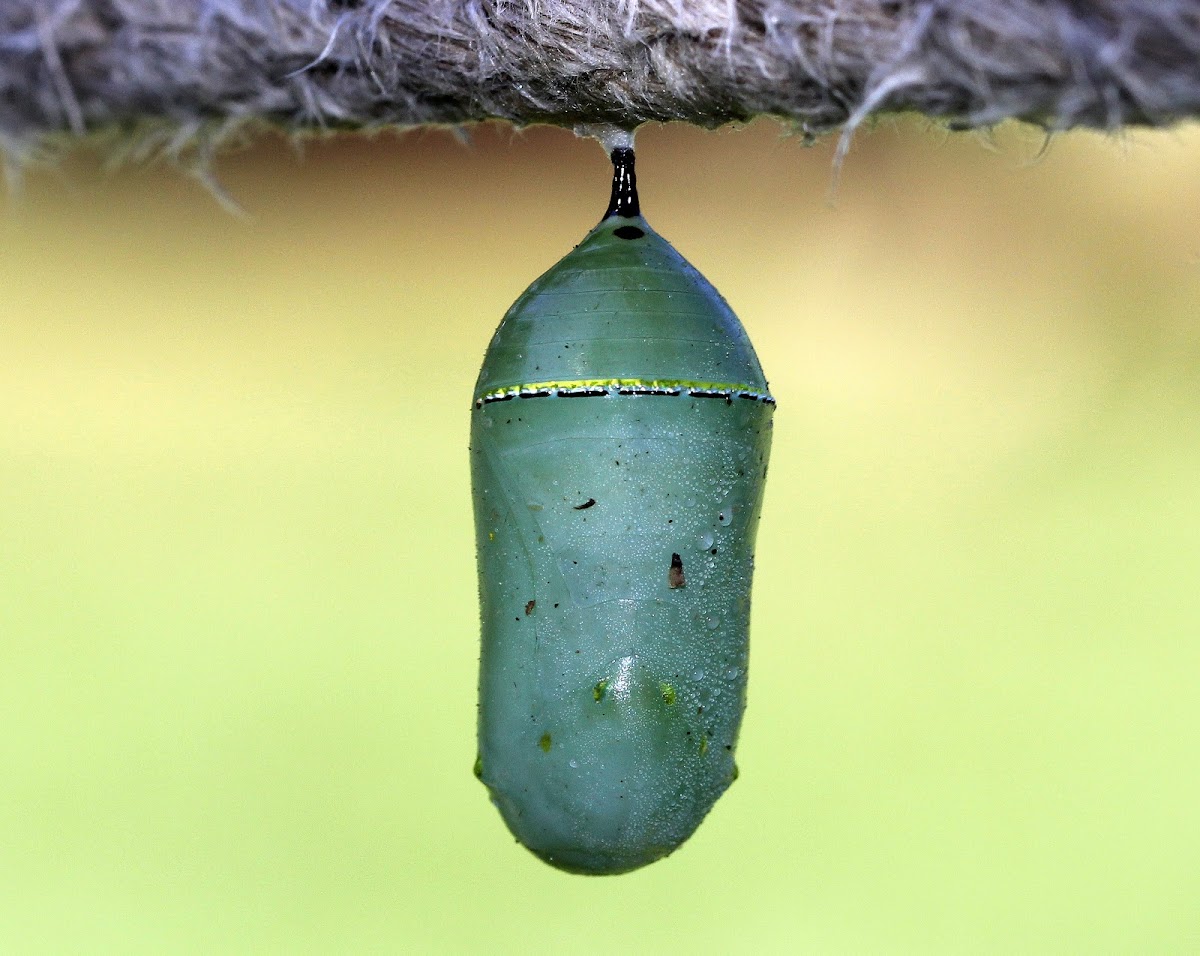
573	764
706	541
716	691
487	422
725	517
698	674
689	501
732	673
713	622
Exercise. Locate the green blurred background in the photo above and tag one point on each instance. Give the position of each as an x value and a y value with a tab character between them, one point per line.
238	628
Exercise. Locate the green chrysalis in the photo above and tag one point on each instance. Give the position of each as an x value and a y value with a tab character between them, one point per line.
619	444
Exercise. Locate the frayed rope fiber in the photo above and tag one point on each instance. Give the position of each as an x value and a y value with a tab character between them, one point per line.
181	72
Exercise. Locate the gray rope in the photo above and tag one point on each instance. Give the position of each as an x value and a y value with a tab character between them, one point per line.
165	75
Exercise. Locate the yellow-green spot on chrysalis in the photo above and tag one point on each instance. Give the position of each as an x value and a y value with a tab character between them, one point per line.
703	744
544	743
668	693
599	689
478	768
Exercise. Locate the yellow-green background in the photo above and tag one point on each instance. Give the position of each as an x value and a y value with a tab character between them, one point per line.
238	625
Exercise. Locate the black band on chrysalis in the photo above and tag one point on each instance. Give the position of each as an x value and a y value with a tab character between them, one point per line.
624	201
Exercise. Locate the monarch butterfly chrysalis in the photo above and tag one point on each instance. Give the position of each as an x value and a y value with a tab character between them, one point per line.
619	443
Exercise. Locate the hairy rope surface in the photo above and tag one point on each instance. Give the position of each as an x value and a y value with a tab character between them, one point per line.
173	74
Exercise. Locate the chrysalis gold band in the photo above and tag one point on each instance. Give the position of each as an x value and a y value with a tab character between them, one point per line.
625	386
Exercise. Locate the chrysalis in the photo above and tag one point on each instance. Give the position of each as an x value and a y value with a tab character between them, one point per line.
619	443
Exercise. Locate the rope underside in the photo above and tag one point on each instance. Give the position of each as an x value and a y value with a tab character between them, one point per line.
180	75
